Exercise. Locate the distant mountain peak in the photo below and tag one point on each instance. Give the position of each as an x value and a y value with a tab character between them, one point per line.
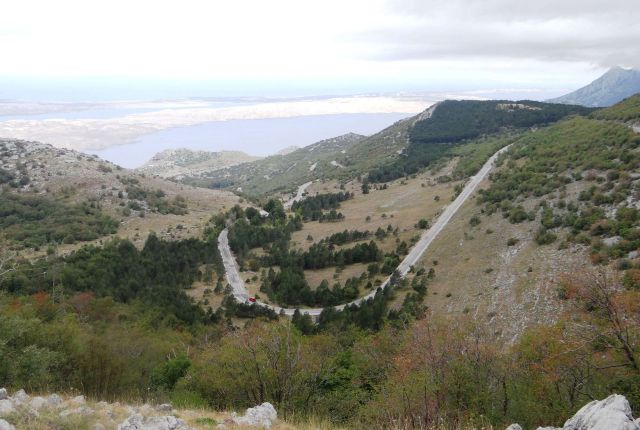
615	85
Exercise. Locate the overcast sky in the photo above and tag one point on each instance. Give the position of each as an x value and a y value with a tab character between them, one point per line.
401	44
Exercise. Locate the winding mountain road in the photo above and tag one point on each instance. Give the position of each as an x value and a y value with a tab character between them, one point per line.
299	195
240	292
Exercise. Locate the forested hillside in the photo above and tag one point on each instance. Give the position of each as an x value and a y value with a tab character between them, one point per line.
453	122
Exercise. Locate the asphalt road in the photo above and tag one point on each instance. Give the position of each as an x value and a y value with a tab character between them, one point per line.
240	292
299	195
231	268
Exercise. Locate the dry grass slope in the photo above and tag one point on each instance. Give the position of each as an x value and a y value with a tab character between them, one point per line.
78	177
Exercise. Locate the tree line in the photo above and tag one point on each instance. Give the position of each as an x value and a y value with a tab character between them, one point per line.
312	207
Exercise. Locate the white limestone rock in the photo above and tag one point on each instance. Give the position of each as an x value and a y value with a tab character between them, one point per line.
165	407
82	410
138	422
20	396
54	401
3	393
612	241
134	422
612	413
102	405
263	415
79	400
6	407
5	425
38	403
514	427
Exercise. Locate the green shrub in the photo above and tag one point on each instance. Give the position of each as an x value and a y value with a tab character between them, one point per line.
545	237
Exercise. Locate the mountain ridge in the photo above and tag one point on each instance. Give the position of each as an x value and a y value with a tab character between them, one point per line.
614	86
282	172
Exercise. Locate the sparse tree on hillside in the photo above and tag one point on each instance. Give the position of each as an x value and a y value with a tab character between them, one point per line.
613	314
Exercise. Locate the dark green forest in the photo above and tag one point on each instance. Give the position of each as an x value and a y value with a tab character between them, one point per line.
454	122
33	221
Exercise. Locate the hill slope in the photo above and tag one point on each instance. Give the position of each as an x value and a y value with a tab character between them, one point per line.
451	123
610	88
565	196
627	110
177	163
399	150
282	172
58	195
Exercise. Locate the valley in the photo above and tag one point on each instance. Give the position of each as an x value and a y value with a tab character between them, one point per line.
421	245
448	245
285	215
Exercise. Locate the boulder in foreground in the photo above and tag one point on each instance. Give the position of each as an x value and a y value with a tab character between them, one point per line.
612	413
263	415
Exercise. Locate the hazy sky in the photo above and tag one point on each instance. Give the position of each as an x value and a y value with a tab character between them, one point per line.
401	44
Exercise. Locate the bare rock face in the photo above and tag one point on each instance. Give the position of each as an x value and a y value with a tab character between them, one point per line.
3	393
612	413
263	415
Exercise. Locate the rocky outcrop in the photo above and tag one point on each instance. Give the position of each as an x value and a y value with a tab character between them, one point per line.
54	401
20	396
138	422
41	410
165	407
38	402
263	415
612	413
82	410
